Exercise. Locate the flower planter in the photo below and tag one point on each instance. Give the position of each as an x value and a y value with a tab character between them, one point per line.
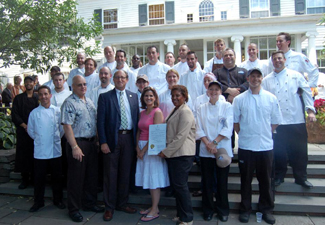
316	133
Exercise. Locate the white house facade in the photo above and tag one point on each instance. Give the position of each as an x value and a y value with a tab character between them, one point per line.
133	25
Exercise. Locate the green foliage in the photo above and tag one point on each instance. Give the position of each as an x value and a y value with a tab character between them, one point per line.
7	132
34	33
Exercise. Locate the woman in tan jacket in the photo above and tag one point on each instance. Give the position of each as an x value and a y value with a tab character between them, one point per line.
180	151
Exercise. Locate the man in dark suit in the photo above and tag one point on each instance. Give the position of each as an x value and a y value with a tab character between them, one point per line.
6	94
117	122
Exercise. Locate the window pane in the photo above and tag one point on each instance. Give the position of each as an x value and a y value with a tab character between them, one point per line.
272	42
206	11
263	54
263	43
210	46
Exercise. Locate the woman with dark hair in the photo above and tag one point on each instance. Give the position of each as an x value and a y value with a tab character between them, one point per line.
180	151
151	171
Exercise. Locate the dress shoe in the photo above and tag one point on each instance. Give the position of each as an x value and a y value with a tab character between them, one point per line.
76	217
208	217
95	209
23	185
244	217
60	205
268	218
223	218
197	193
277	182
36	207
305	184
108	216
127	209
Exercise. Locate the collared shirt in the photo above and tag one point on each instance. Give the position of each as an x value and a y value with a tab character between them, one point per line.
81	115
127	107
156	75
111	65
92	81
51	85
139	99
44	127
182	67
135	71
74	72
300	63
284	86
131	84
209	64
204	99
193	80
59	97
166	105
255	114
212	121
261	64
94	94
233	78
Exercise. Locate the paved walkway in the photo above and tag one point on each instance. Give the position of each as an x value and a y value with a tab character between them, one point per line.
14	210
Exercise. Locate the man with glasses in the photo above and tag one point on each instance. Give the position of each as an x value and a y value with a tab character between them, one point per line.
136	64
78	116
117	122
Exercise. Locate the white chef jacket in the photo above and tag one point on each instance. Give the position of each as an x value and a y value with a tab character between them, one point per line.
261	64
59	97
94	94
44	127
135	71
300	63
208	65
213	120
182	67
255	114
74	72
92	81
156	75
204	99
51	85
130	85
193	81
111	66
284	86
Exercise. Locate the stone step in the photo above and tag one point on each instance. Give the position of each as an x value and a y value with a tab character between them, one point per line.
283	203
288	187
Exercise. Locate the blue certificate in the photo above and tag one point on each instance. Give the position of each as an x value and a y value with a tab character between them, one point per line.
157	138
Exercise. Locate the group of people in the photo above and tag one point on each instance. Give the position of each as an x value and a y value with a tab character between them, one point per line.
104	122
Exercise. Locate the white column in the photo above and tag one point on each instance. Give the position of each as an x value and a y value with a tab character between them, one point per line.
170	45
247	42
205	52
161	52
237	48
312	47
298	43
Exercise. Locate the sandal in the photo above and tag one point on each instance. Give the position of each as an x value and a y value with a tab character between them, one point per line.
145	212
148	218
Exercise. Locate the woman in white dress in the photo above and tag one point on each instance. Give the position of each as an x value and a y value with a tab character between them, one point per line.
151	170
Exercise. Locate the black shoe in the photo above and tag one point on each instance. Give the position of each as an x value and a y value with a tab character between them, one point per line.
36	207
60	205
244	217
76	217
197	193
278	182
305	184
23	185
95	208
223	218
268	218
169	193
208	217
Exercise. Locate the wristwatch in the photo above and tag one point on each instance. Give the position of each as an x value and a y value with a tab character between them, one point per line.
215	142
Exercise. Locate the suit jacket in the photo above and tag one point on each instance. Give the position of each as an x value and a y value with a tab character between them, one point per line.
180	133
6	96
109	117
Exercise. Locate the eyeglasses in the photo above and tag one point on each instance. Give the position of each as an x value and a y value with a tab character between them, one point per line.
82	84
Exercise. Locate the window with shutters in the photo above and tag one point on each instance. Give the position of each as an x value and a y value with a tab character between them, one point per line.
206	11
190	18
110	19
259	8
315	6
156	14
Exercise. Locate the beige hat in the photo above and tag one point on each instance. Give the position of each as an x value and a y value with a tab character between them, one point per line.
143	77
222	158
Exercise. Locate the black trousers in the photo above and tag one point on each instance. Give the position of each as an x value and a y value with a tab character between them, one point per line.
179	168
82	176
211	175
117	169
64	161
40	171
290	144
261	162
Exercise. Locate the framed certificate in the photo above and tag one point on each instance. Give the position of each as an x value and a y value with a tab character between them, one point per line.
157	138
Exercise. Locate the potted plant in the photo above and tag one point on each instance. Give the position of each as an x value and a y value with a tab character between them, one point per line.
316	129
7	132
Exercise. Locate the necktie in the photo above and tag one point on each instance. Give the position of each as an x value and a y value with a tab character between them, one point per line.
124	119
